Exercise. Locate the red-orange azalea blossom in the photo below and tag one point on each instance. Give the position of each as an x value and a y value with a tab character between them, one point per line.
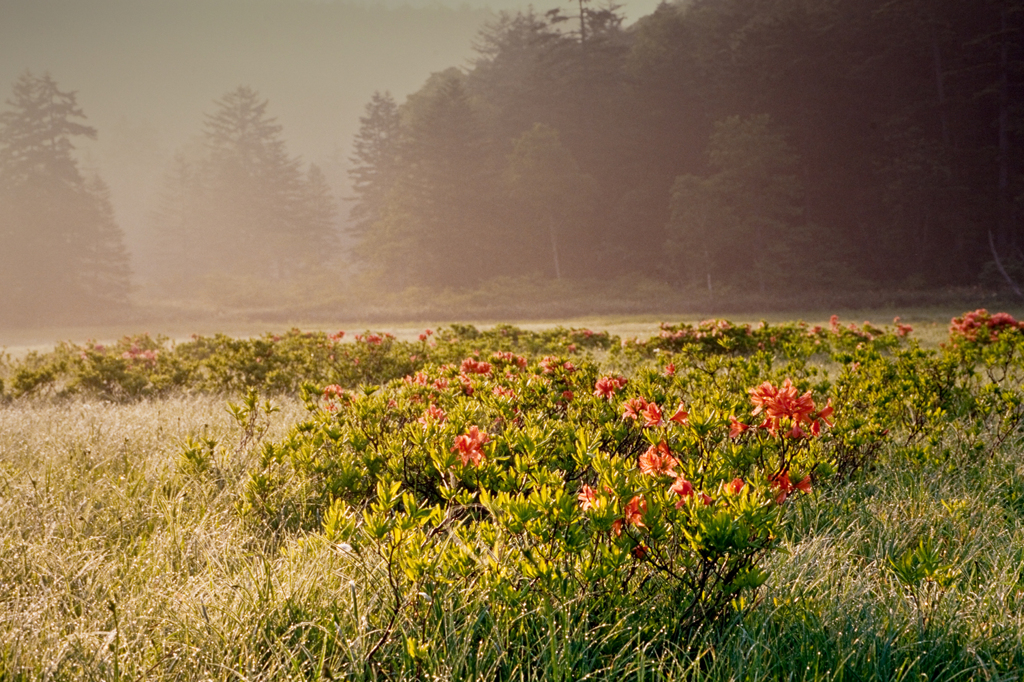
433	414
782	484
634	511
606	387
734	486
587	498
652	415
680	416
684	489
632	408
781	403
470	446
736	427
471	366
658	461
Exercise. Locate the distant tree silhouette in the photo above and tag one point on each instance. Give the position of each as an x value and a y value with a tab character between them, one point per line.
740	224
374	160
244	207
61	252
437	221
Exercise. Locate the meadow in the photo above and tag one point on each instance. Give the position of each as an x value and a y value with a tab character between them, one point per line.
687	501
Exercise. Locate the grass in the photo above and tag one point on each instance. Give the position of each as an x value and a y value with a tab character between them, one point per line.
117	563
120	561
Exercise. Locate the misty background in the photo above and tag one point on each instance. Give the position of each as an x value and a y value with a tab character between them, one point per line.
399	153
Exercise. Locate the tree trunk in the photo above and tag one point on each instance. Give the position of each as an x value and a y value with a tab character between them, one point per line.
939	86
554	245
1006	240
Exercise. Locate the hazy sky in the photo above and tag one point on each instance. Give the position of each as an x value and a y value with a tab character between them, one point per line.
146	71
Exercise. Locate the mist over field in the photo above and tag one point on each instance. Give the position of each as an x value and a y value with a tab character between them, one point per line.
146	73
289	158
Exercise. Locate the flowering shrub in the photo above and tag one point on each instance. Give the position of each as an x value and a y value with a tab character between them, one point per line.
142	366
982	327
790	340
539	479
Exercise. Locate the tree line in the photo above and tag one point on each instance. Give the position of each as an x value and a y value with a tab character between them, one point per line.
239	206
717	144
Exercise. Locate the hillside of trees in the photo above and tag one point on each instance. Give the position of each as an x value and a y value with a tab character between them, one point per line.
721	148
731	144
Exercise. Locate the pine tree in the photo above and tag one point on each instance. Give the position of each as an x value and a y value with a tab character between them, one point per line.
317	218
374	160
255	185
178	227
436	226
63	253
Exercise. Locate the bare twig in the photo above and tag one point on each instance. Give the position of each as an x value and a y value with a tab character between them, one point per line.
999	265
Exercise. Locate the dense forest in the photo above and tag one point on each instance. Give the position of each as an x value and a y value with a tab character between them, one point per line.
721	147
739	144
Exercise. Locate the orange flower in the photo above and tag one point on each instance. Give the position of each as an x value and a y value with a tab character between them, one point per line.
617	527
658	461
680	416
470	446
632	408
782	483
587	498
607	386
433	414
736	427
634	511
708	501
684	489
825	414
652	415
471	366
781	403
734	486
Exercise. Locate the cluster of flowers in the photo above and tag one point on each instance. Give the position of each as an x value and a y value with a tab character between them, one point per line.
704	330
782	407
637	409
779	405
145	356
982	326
470	446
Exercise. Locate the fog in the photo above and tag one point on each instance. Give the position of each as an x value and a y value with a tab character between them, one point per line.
417	158
146	72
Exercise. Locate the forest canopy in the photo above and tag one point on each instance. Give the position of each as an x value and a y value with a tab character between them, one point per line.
718	147
726	143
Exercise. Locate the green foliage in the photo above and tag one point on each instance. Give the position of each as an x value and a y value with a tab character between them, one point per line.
717	502
751	199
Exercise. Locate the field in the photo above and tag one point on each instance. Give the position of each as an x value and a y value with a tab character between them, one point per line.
713	501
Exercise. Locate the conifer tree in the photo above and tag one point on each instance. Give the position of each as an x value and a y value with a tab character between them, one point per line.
374	160
62	252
